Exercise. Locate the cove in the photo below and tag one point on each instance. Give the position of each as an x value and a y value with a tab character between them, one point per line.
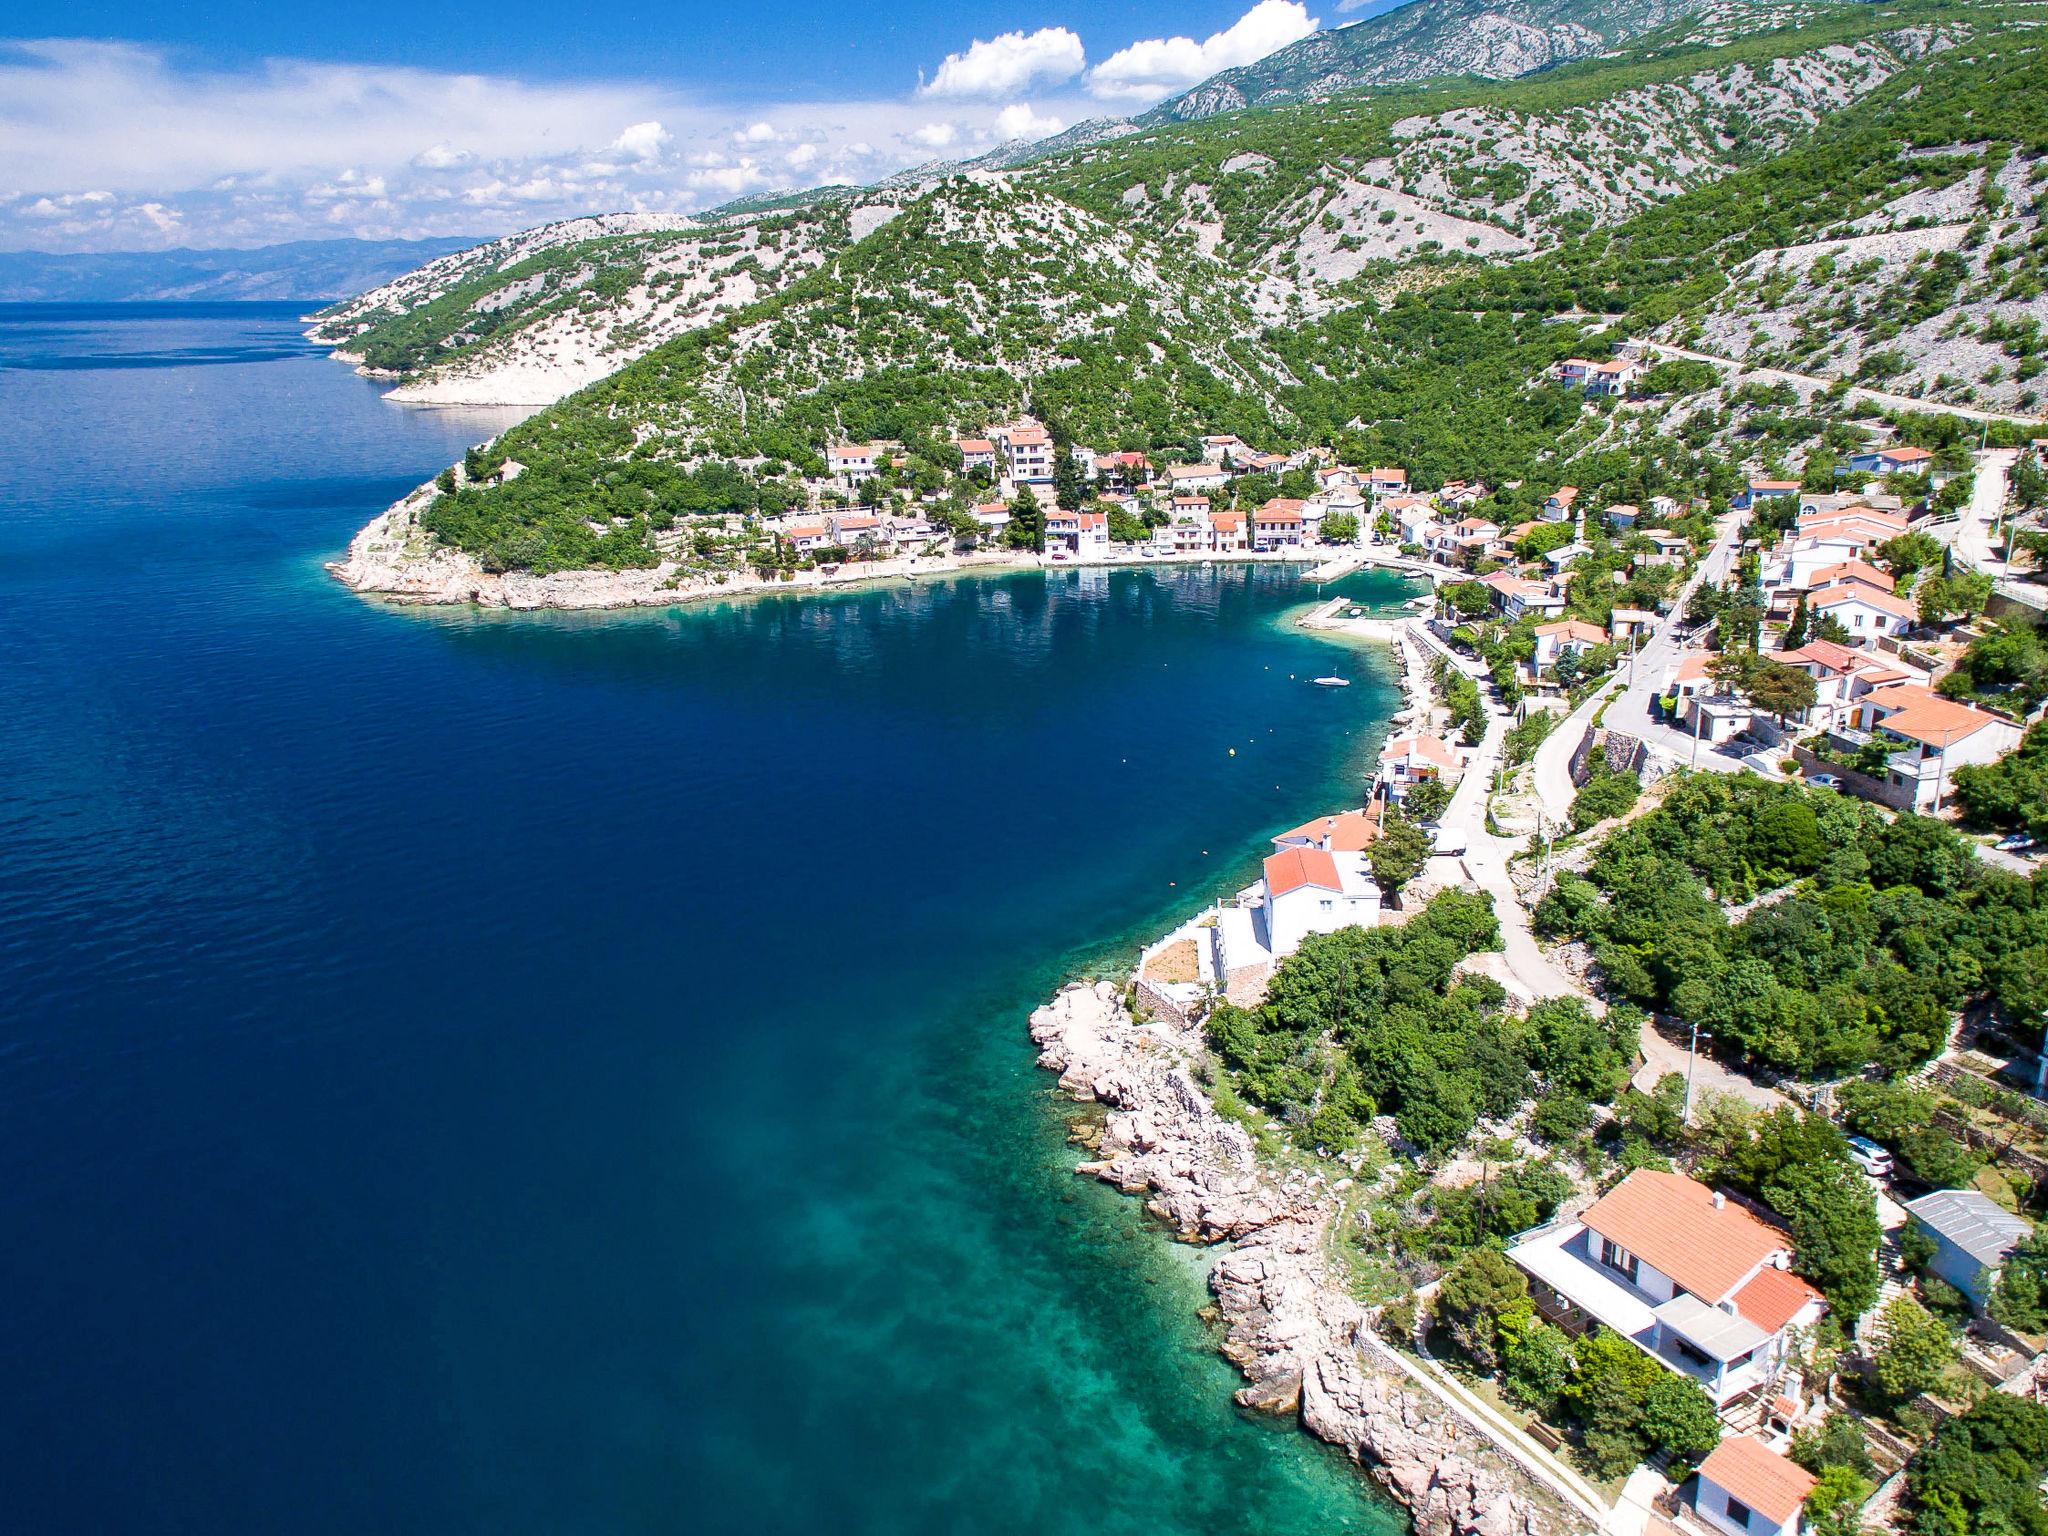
555	1073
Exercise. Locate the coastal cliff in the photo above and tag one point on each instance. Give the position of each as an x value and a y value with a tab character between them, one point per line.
1304	1344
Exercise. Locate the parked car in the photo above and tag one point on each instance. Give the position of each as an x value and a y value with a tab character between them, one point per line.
1824	780
2018	842
1870	1157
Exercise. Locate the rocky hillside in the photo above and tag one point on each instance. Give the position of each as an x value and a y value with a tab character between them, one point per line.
1313	198
1426	40
530	318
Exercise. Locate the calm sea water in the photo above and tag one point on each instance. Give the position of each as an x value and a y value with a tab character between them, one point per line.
567	1074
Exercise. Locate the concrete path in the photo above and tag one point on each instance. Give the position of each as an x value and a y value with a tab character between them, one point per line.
1662	1057
1552	774
1538	1462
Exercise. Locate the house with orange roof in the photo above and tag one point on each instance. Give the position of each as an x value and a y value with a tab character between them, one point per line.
1516	595
1185	479
993	516
1411	516
1559	505
805	537
1864	611
1892	461
851	462
1747	1489
976	453
1468	537
1407	760
1689	1276
1312	890
1614	378
1841	676
1221	446
1027	448
1573	370
1346	832
1226	531
1278	525
1553	640
1933	737
1759	491
1386	481
849	528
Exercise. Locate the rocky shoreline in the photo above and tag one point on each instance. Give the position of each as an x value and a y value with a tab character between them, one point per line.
1305	1346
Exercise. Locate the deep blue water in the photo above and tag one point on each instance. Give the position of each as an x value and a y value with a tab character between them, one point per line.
567	1074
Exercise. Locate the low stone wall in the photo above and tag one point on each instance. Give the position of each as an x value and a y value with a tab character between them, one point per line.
1156	1002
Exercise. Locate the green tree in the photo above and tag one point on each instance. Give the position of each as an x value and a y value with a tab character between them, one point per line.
1340	528
1069	485
1914	1348
1835	1231
1834	1506
1796	631
1428	800
1399	852
1679	1417
1027	522
1779	689
1982	1474
1480	1288
2020	1299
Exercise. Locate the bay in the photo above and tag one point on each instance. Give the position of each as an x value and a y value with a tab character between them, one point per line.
564	1073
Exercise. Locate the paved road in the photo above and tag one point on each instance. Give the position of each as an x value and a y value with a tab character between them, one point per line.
1553	763
1857	391
1658	660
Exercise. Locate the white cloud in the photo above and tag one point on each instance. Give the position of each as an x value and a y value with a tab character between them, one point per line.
441	157
756	133
1021	122
935	135
800	157
1150	70
1012	62
642	141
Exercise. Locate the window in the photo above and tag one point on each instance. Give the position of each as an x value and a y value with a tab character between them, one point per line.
1616	1257
1738	1512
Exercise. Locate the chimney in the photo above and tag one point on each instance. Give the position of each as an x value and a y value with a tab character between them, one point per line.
1720	1200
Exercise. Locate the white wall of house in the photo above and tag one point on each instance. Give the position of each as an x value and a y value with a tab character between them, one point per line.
1724	1513
1309	909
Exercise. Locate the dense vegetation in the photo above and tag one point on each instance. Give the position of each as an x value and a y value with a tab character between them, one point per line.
1365	1022
1875	934
1982	1475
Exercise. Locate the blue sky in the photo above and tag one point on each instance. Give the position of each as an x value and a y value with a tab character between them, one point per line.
128	126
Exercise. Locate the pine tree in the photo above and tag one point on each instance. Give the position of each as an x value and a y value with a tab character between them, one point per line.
1068	488
1795	632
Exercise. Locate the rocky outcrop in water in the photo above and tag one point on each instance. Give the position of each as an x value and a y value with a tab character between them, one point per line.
1294	1330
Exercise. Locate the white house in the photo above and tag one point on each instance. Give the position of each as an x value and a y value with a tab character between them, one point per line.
1029	450
1411	517
1748	1489
851	462
977	453
849	528
1759	491
1573	370
1614	378
1841	678
1515	595
1558	505
1623	515
1408	760
1663	506
1387	481
1278	524
1226	531
1184	479
1218	447
1892	461
1636	624
805	537
1347	832
1864	611
1554	640
1311	890
994	516
1934	736
1690	1277
1563	557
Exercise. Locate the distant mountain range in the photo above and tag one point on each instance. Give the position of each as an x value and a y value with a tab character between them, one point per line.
300	269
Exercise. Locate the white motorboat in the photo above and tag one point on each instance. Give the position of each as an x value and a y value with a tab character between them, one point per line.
1331	682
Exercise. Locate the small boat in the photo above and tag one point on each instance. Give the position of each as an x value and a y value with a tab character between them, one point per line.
1331	682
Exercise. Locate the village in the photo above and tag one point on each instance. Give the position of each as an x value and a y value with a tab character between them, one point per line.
1576	667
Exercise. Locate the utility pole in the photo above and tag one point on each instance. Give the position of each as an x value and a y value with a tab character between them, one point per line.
1695	730
1691	1056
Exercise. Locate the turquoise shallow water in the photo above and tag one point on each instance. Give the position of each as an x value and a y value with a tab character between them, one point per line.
556	1074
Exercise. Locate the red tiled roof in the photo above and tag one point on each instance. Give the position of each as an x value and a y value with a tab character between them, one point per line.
1916	711
1574	629
1293	868
1672	1223
976	445
1870	597
1907	455
1769	1483
1773	1298
1565	495
1854	570
1028	436
1428	748
1349	832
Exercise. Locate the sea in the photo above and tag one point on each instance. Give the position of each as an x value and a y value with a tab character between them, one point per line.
468	1072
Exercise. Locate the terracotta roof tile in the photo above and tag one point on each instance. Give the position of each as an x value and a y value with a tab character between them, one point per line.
1293	868
1773	1298
1759	1477
1672	1223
